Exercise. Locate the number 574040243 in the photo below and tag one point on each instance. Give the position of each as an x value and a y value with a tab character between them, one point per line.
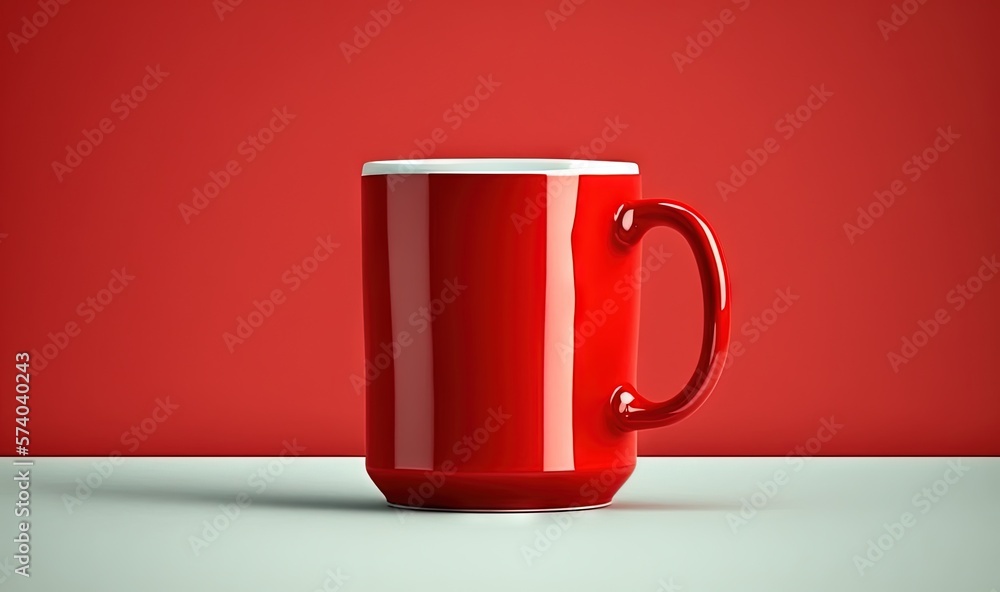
22	386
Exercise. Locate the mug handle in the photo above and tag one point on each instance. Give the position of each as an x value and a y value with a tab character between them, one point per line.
629	409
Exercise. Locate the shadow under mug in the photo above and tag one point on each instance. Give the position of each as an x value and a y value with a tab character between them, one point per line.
500	337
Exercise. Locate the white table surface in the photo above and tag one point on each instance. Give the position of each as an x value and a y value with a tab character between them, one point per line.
670	528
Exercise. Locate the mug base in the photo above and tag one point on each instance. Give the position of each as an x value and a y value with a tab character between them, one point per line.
542	491
500	511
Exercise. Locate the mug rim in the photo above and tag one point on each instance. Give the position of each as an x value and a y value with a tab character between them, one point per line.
499	166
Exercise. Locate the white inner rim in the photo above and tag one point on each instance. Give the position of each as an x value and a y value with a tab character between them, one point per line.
500	166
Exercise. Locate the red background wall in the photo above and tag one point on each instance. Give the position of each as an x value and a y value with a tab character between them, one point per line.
162	336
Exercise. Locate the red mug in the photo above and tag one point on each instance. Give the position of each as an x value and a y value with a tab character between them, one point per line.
500	339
